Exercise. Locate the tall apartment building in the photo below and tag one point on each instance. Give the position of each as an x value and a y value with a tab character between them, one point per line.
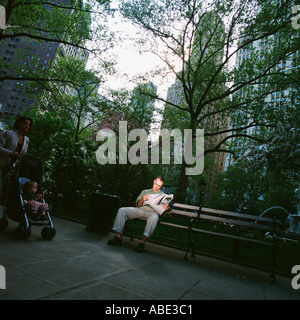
13	98
276	98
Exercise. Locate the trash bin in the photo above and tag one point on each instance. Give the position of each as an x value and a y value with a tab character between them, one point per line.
101	212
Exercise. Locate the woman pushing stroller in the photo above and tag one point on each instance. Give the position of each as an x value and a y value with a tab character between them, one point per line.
13	144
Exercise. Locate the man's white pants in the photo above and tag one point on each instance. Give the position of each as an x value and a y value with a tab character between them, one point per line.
129	213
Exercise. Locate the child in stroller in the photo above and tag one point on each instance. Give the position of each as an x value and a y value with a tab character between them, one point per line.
27	169
34	201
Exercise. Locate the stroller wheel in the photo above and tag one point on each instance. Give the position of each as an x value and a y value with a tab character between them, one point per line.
27	234
48	233
21	233
3	224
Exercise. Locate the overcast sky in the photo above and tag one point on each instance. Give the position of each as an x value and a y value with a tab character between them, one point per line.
129	60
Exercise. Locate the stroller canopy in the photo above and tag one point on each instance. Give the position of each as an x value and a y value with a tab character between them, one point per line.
30	168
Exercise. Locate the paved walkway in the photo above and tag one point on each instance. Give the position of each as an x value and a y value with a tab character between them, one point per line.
78	264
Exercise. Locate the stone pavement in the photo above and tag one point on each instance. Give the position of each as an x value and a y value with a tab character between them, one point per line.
79	265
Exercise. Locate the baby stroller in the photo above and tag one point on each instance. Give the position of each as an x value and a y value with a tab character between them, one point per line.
26	169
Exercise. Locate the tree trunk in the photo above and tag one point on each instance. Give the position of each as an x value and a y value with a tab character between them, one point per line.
183	183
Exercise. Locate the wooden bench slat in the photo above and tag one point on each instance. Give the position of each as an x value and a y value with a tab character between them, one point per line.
185	206
184	213
237	222
238	215
173	225
224	220
224	235
222	212
227	221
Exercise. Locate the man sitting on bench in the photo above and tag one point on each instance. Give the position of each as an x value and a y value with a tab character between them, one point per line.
141	211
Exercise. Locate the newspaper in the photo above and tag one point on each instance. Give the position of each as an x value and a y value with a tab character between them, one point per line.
158	201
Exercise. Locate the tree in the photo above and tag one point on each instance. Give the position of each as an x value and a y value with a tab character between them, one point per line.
142	107
245	189
137	111
78	100
238	191
70	169
210	84
64	23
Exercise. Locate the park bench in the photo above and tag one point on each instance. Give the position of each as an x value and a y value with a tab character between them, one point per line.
223	224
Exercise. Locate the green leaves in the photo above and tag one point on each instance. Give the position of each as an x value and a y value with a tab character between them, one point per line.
51	23
235	64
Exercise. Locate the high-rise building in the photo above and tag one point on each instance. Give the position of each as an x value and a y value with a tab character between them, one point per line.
35	54
13	99
276	97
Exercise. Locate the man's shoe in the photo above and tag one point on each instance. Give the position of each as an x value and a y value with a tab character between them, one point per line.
115	241
140	247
